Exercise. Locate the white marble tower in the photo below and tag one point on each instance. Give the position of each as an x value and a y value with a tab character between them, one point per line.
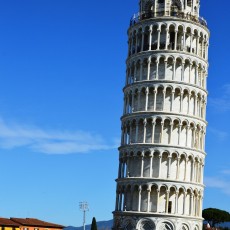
162	152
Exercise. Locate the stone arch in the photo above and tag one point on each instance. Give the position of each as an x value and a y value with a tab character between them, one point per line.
164	164
153	198
146	166
128	201
162	196
184	227
165	225
156	164
144	198
146	224
129	224
174	160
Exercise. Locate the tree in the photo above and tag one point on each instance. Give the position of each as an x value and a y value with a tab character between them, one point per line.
215	216
94	224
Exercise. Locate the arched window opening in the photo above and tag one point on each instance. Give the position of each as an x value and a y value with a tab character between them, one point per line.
176	6
170	207
184	227
189	3
172	35
147	225
195	9
129	227
149	6
166	226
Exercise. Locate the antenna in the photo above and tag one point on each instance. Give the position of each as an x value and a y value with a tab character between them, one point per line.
84	207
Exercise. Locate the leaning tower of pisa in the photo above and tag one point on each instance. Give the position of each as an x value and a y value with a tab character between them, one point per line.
162	152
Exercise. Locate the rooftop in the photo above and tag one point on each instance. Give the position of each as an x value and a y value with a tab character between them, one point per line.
8	222
17	222
35	222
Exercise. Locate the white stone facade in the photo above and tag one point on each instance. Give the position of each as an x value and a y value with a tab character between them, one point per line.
162	153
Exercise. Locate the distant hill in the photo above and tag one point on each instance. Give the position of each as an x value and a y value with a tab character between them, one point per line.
224	225
101	225
107	225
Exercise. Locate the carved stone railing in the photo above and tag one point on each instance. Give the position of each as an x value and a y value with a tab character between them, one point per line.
148	15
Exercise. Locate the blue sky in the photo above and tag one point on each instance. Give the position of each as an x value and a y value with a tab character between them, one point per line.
62	69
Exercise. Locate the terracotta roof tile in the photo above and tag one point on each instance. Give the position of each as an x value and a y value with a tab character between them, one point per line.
8	222
35	222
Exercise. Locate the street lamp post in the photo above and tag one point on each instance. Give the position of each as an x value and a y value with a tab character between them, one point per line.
84	207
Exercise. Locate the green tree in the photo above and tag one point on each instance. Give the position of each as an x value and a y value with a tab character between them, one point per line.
94	224
215	216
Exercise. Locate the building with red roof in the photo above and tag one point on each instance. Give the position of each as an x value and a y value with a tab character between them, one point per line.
27	224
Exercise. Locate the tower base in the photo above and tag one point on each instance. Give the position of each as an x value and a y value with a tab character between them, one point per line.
130	221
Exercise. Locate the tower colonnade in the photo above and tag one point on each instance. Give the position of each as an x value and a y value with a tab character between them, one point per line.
165	67
165	97
161	164
146	198
163	126
178	36
163	130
